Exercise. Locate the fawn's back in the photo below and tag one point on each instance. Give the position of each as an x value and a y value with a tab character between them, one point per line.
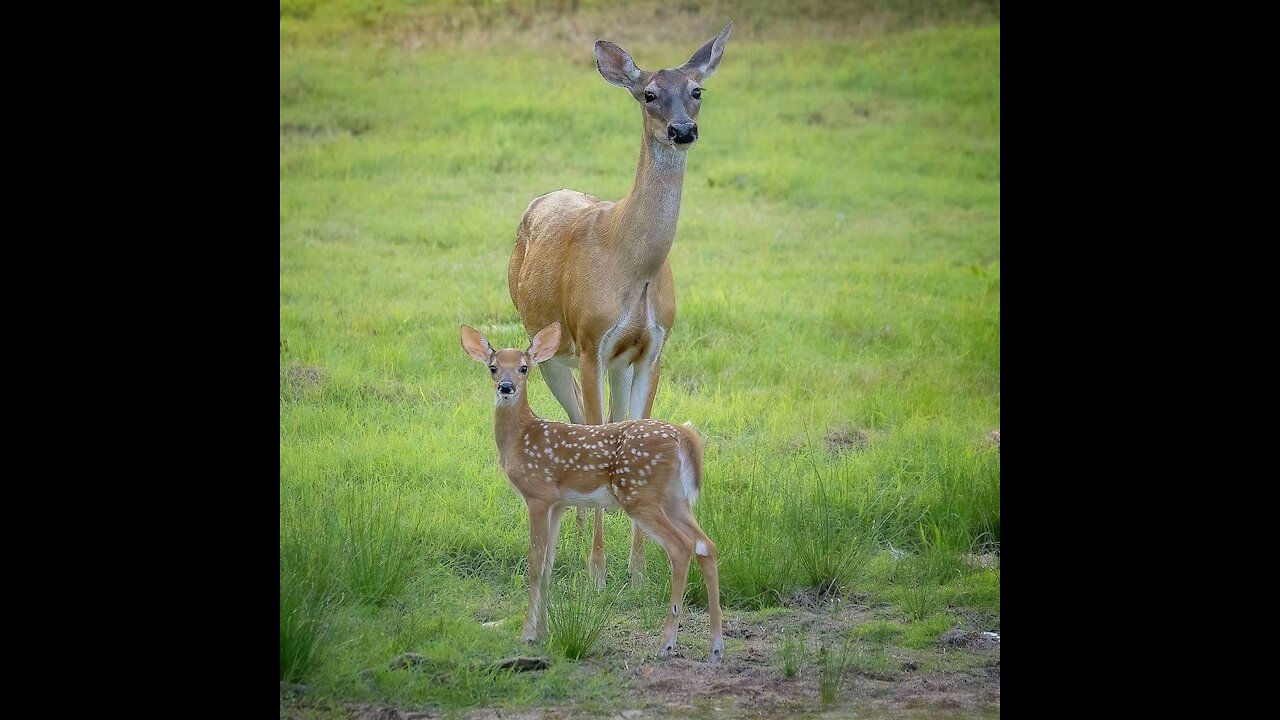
624	464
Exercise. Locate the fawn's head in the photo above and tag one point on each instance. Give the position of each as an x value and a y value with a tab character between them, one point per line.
670	98
509	368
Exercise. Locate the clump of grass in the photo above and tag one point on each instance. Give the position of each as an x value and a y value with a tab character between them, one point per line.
879	632
836	520
376	549
927	582
757	561
919	599
576	616
924	633
872	662
832	663
354	543
828	552
303	631
792	653
650	598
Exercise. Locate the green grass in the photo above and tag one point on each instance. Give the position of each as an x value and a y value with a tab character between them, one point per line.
302	628
880	632
872	661
792	653
577	612
833	662
837	266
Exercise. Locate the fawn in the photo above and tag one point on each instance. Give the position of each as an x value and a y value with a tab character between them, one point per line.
651	469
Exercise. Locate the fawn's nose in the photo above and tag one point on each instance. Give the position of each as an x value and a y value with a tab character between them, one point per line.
682	132
506	388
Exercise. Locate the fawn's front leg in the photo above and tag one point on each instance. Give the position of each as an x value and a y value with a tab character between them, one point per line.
539	530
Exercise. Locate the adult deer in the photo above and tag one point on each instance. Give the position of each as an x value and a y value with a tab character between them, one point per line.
651	469
600	268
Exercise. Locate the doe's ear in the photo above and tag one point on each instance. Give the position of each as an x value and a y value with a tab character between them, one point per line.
703	64
475	345
544	345
616	66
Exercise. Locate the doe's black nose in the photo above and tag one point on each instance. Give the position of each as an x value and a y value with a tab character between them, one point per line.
506	388
682	132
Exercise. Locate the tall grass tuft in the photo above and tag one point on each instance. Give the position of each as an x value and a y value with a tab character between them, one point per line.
303	632
576	615
832	663
792	653
755	557
919	599
356	543
831	543
922	580
377	549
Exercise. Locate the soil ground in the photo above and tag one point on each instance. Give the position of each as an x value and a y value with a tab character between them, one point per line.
958	675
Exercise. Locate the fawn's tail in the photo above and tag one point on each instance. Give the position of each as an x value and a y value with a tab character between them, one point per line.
691	472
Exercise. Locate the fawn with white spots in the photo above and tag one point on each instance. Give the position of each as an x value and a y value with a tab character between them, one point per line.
649	468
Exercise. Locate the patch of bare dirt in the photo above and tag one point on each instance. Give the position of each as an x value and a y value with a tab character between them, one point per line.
305	376
323	131
958	677
297	379
843	439
970	639
391	391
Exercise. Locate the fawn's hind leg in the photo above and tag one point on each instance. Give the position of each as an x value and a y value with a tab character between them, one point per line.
679	549
705	551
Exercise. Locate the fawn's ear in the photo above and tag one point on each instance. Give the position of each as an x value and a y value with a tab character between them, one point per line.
616	66
703	64
475	345
544	345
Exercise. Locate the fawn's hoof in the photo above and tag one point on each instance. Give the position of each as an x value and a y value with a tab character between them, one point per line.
717	654
666	649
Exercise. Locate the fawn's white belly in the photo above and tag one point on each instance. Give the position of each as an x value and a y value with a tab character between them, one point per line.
600	497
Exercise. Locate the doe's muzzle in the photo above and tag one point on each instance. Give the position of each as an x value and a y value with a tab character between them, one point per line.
682	133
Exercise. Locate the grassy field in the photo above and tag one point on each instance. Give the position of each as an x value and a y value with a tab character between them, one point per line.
837	340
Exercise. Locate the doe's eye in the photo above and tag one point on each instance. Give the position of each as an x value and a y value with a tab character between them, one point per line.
649	96
524	369
697	93
493	369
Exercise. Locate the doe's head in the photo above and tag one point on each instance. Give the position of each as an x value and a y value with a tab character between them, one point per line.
509	368
671	98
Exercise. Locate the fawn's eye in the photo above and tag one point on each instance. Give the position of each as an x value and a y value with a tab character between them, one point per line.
524	369
493	369
697	93
649	96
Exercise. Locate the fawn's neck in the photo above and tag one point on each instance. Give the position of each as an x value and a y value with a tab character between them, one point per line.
511	421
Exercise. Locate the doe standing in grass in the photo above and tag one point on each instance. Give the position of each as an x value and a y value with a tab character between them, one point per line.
600	268
651	469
